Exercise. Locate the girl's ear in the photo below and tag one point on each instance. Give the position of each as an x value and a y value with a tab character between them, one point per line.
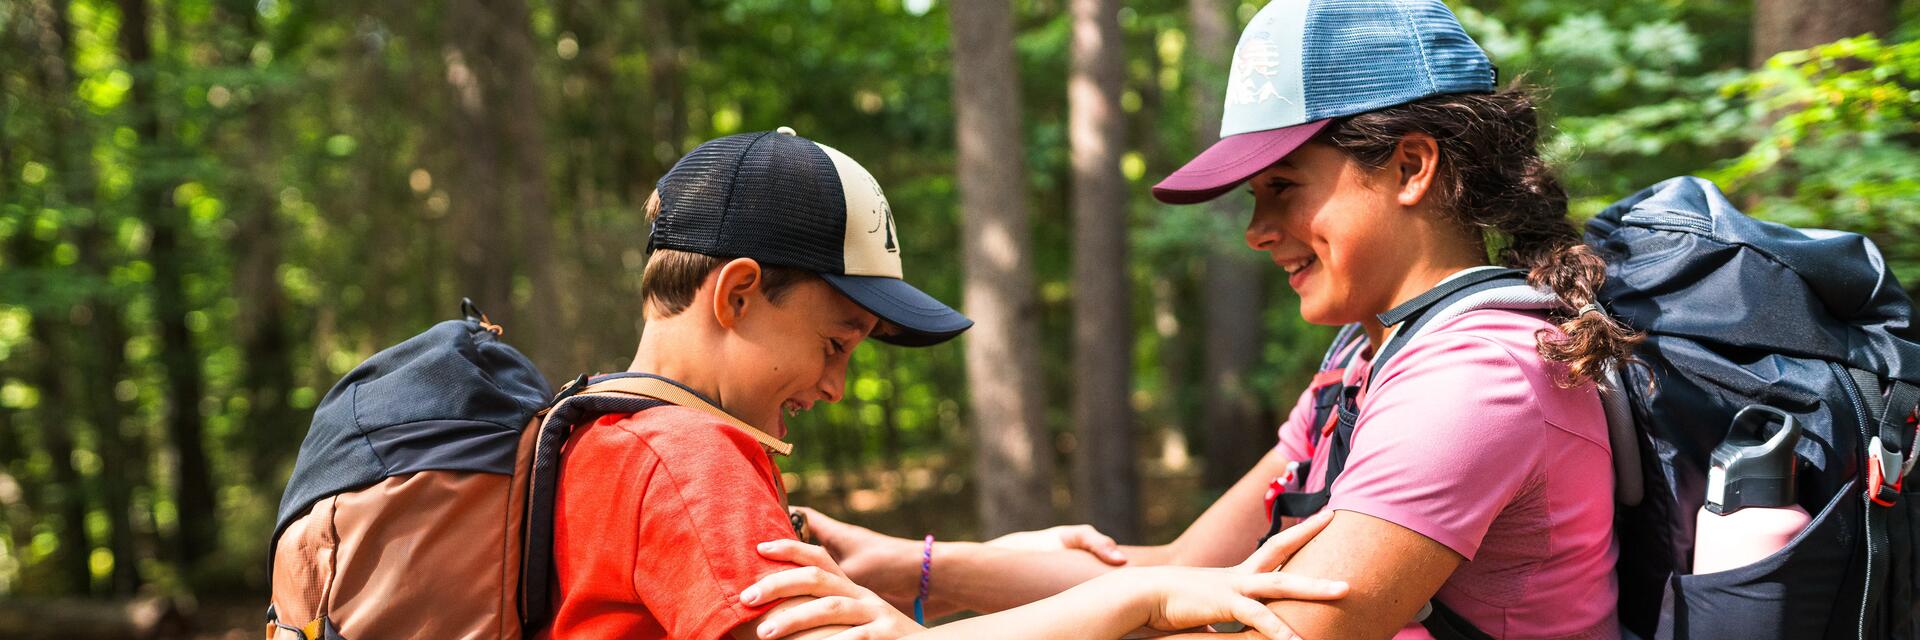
1416	161
735	285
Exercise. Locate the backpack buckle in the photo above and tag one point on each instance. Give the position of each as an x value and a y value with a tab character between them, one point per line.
1913	423
1879	460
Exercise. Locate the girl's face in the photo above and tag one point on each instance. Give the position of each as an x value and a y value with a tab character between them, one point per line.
1339	229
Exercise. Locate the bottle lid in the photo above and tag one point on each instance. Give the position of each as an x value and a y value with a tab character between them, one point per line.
1755	466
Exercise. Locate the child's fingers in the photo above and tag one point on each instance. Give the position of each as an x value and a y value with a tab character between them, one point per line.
1283	545
798	552
802	581
819	612
1089	539
1260	618
1280	585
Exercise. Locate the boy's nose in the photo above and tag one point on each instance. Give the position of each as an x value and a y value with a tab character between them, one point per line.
834	383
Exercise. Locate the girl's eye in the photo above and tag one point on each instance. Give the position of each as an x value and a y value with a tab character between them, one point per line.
1278	185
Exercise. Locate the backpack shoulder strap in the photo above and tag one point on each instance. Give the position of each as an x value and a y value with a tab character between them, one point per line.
650	387
1406	321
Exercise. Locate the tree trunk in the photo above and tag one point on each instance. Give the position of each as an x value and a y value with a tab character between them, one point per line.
1231	293
67	495
1787	25
490	68
548	322
480	201
1013	456
1104	484
29	254
153	202
263	324
100	333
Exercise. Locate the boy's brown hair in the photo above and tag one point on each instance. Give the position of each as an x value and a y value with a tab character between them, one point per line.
672	277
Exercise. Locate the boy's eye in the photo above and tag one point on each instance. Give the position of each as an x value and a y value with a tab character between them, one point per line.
835	347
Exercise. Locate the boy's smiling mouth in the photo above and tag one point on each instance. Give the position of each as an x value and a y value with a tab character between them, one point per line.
790	408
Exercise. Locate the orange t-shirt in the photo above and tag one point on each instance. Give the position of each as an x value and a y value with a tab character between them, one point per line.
655	524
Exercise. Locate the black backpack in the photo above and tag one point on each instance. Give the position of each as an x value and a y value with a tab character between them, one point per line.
1737	312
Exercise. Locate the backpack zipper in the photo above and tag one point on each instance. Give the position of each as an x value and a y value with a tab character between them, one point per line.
1854	398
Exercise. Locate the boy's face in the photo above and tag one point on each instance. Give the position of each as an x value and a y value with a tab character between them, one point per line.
786	356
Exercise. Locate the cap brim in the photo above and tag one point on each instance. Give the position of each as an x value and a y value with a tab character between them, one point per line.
917	319
1231	161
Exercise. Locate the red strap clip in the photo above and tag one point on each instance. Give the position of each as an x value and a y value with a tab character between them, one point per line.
1274	489
1279	486
1878	490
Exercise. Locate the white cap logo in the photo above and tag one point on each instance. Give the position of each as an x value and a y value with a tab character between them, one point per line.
870	246
1264	86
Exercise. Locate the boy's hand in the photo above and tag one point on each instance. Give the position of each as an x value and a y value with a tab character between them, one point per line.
1078	536
838	601
1185	597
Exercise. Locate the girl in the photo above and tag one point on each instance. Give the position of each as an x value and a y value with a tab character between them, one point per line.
1475	474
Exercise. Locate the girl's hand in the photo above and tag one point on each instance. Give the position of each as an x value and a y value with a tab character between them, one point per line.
889	566
839	601
1185	598
1077	536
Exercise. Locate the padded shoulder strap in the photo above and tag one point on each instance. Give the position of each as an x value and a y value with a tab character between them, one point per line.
670	393
1406	321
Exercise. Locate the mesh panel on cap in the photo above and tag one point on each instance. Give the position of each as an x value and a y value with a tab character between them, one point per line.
787	207
693	195
772	197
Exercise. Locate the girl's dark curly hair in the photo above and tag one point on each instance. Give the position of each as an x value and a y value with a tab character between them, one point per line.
1491	177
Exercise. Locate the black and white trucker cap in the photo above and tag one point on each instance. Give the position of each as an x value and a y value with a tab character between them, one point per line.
788	201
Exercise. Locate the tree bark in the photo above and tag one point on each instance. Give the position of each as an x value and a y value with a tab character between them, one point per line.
1105	486
28	253
153	202
490	69
1013	456
67	494
480	202
1787	25
1233	284
100	333
263	324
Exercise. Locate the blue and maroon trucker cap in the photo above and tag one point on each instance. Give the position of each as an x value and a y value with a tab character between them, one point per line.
788	201
1301	63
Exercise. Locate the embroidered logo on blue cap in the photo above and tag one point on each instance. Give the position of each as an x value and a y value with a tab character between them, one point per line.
1300	61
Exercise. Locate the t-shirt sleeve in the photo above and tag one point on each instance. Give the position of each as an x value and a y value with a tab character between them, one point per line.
1294	432
1448	438
708	506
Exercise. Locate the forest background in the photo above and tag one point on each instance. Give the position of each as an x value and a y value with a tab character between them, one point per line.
210	210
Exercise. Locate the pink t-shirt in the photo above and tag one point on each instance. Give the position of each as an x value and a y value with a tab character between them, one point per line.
1467	440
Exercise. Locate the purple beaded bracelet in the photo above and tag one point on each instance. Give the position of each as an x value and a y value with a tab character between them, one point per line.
926	579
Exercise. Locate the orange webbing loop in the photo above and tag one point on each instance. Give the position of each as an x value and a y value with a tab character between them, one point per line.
490	326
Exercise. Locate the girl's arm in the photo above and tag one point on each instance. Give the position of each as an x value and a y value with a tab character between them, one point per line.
1393	569
977	577
1112	605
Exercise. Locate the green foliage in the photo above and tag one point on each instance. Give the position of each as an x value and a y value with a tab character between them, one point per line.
315	173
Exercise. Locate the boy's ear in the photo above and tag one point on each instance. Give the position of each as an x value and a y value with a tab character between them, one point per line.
735	284
1416	163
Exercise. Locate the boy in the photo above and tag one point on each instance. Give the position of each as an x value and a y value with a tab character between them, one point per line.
773	257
